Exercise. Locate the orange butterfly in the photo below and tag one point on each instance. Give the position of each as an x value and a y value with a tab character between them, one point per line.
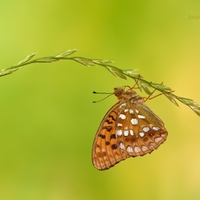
128	129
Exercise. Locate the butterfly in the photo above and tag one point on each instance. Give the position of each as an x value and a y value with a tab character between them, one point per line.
128	129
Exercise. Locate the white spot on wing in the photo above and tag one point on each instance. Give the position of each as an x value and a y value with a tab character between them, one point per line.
129	149
131	132
163	135
122	116
131	111
126	110
119	124
158	139
134	121
146	129
119	132
121	145
141	134
152	144
141	116
125	132
137	149
144	148
155	128
122	105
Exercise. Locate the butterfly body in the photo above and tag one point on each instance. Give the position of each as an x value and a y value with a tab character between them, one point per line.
128	129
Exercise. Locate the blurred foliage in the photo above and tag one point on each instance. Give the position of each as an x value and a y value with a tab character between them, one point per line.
48	121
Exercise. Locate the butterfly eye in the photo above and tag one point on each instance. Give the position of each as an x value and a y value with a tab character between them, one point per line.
129	129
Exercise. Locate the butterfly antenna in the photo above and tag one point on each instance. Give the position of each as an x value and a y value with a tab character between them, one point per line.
109	94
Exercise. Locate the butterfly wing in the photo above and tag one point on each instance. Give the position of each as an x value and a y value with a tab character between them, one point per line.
127	130
106	152
139	131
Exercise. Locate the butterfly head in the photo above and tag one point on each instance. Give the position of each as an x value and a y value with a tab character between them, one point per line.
118	92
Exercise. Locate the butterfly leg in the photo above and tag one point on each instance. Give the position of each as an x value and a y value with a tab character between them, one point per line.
152	97
137	83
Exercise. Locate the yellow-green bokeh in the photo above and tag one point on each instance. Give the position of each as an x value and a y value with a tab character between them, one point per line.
48	121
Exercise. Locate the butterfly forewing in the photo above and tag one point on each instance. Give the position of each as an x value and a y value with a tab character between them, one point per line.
128	129
106	152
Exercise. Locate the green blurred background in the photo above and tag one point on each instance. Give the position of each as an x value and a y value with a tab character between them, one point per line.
48	121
